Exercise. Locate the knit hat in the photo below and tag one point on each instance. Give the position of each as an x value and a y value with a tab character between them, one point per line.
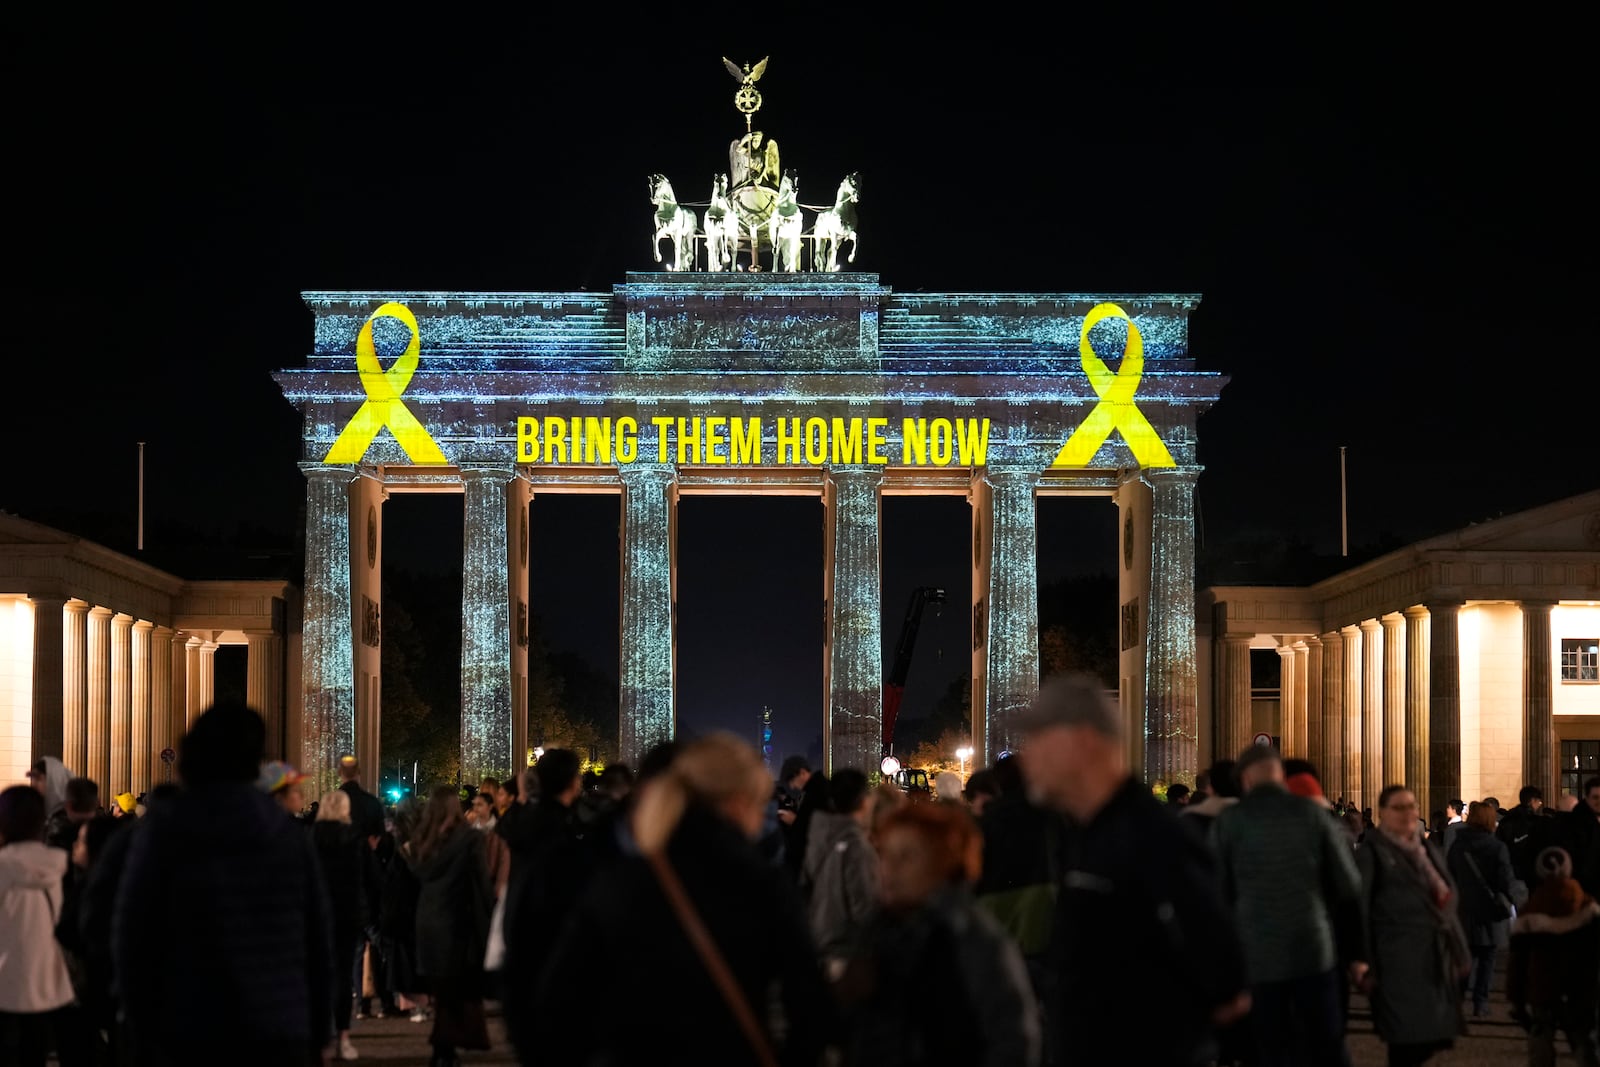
276	775
125	802
1304	785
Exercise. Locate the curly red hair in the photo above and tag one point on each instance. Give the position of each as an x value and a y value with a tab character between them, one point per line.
949	832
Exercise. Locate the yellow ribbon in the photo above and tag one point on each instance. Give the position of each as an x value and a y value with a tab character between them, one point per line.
383	406
1116	409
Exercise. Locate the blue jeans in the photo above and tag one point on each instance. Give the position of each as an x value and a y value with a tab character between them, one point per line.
1300	1021
1482	975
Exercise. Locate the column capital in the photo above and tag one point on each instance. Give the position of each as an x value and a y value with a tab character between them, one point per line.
1188	472
99	612
76	606
1237	639
38	599
1530	607
1312	641
121	619
1415	611
341	473
1392	622
193	641
1370	626
487	472
1013	476
856	473
641	473
143	624
1284	651
1443	607
163	631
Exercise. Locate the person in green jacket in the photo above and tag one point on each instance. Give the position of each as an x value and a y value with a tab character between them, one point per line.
1293	885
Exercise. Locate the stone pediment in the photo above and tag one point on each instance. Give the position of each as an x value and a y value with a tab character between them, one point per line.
1570	525
19	531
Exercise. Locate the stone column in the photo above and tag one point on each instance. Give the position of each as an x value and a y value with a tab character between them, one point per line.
1006	616
1171	746
1233	698
1372	780
367	495
1538	728
98	765
1315	750
1289	732
486	723
263	685
1416	669
1334	782
121	706
75	688
326	655
1353	734
139	754
1394	701
194	698
517	499
854	641
647	616
208	674
1444	703
161	709
49	677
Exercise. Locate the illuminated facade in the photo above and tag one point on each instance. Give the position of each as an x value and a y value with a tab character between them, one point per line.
825	385
1463	666
105	660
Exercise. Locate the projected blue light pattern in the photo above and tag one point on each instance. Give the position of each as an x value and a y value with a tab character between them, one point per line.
855	621
649	527
767	347
327	657
486	727
1172	717
1013	607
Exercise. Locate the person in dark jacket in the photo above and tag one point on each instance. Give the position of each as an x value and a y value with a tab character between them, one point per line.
1481	866
1525	829
397	916
1295	892
840	879
940	982
548	869
366	815
453	909
1139	893
1417	951
221	940
346	871
1018	880
696	826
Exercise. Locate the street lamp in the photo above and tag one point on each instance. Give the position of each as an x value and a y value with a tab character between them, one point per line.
963	754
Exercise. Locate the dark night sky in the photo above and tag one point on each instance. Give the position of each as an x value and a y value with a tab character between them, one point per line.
1392	231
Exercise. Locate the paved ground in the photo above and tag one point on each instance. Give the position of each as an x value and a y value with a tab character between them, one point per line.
1492	1042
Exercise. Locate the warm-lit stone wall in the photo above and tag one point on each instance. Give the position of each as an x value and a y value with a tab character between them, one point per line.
16	689
1569	622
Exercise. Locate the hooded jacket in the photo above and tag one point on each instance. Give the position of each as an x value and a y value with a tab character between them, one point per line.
33	973
840	879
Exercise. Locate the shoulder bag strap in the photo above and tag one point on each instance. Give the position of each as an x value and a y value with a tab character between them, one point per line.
716	966
1489	893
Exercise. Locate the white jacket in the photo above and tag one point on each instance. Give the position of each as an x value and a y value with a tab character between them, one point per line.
33	975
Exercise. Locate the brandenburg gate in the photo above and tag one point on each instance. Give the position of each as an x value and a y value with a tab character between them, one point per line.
827	384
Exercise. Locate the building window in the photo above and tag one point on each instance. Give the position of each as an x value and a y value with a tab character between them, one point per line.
1580	761
1580	659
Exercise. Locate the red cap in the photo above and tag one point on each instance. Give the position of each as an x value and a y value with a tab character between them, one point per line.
1304	785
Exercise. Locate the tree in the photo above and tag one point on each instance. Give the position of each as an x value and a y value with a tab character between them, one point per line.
412	730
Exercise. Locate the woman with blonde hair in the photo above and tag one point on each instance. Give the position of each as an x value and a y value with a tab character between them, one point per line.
696	930
344	857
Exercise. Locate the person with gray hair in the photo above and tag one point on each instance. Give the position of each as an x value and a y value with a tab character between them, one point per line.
1137	892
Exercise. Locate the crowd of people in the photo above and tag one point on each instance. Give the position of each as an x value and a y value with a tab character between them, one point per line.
695	909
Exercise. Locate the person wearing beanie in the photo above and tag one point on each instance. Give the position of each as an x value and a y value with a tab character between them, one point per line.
1551	979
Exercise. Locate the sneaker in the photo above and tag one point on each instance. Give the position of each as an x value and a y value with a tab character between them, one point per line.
377	1011
347	1049
420	1015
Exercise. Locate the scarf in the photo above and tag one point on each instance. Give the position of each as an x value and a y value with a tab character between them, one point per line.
1411	847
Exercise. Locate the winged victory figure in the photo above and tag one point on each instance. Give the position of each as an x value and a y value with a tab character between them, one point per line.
746	75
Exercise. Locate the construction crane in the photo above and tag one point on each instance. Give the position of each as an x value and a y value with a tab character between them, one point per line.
895	687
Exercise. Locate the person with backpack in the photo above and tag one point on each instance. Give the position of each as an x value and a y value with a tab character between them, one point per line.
840	877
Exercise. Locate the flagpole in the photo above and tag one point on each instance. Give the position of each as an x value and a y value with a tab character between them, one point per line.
141	496
1344	508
